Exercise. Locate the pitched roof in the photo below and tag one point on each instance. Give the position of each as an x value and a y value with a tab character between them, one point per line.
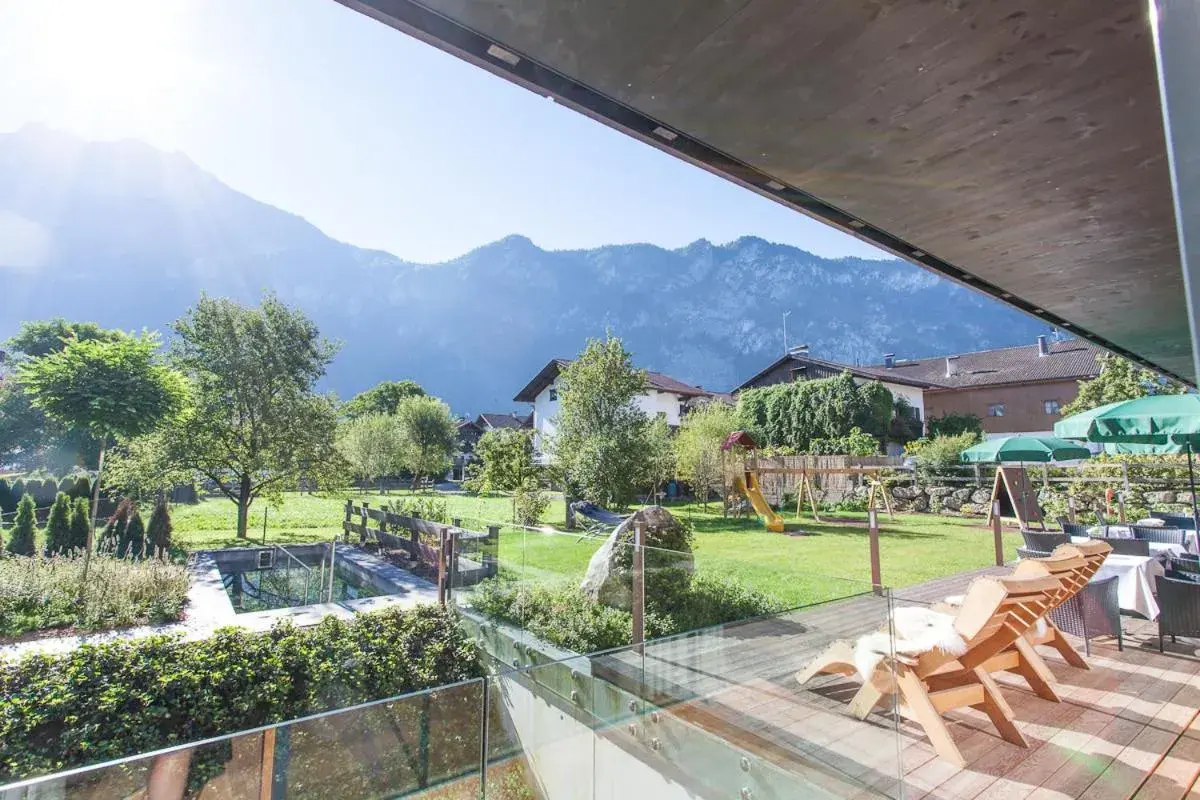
870	373
496	421
1067	360
654	380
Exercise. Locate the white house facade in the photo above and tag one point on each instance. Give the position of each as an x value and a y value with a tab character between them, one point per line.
664	396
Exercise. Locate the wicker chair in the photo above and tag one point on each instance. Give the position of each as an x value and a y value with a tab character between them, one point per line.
1187	562
1037	540
1128	547
1093	611
1025	552
1161	535
1179	608
1074	528
1179	575
1175	519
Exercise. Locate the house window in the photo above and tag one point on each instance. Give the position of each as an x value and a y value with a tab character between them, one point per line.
996	410
1051	407
799	373
553	395
682	409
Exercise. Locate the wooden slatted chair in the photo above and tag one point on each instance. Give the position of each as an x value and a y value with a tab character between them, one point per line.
994	615
1092	554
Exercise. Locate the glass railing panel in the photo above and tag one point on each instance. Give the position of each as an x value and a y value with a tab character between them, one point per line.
428	742
232	767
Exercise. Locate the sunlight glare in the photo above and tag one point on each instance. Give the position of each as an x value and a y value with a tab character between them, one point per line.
119	57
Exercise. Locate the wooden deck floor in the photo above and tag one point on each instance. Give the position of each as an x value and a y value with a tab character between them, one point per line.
1126	728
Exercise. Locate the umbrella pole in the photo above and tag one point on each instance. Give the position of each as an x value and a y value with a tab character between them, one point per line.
1192	485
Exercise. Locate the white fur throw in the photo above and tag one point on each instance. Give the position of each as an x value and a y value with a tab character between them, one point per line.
918	630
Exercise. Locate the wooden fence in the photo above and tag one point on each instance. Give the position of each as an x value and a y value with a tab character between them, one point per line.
458	556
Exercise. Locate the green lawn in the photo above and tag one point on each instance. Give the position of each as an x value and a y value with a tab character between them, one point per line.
795	569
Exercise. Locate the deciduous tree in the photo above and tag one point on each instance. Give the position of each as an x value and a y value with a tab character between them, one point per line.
381	399
1119	379
373	445
599	445
698	446
255	424
429	434
112	388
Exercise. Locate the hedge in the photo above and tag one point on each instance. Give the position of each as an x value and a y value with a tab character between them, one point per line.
101	702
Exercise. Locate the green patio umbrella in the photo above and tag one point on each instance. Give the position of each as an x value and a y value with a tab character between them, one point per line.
1022	449
1161	420
1040	449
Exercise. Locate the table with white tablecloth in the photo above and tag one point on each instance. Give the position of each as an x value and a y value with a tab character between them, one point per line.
1135	582
1125	532
1157	549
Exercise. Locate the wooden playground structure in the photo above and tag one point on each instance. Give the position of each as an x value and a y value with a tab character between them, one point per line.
744	471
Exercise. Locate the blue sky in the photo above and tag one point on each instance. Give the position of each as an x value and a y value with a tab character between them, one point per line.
376	138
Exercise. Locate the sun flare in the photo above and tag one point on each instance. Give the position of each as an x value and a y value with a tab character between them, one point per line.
113	56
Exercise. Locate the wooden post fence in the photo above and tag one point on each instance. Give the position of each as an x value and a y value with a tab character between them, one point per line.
873	537
1071	510
996	533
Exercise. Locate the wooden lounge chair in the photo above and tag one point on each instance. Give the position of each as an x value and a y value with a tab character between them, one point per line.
1074	565
994	615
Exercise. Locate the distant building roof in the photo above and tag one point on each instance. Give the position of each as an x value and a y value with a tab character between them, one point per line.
654	380
1072	359
497	421
1066	360
867	373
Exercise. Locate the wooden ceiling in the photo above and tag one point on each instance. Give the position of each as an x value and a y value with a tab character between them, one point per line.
1015	145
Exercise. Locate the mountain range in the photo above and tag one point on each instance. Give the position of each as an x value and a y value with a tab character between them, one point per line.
128	236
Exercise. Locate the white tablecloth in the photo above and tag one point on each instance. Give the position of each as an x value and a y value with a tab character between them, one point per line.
1159	549
1123	532
1135	582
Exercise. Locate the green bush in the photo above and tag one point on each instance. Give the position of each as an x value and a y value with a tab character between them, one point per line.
21	537
103	702
82	488
58	526
529	504
158	533
113	534
426	508
8	503
81	520
132	542
17	489
564	616
939	457
40	594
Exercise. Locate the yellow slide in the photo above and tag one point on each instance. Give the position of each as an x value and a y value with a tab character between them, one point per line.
749	487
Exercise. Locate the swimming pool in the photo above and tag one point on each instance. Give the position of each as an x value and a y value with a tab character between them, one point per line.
287	577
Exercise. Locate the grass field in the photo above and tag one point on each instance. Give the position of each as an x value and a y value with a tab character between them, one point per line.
795	569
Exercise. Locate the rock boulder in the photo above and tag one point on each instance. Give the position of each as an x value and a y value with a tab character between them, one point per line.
609	578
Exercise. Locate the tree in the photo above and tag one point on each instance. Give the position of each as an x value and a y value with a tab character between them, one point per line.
430	434
373	445
25	430
505	461
58	526
114	530
255	425
660	454
21	537
1119	379
599	444
954	423
81	524
131	543
43	337
8	502
158	532
381	399
698	446
799	413
111	388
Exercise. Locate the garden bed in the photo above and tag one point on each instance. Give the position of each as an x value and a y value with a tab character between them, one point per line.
48	596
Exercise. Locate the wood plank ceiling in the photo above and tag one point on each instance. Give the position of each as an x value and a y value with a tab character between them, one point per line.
1016	145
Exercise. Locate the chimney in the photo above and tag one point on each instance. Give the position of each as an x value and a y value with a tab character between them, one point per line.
1043	347
951	366
889	360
